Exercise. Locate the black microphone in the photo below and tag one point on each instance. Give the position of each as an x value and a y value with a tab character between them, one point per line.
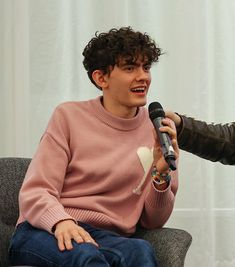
156	114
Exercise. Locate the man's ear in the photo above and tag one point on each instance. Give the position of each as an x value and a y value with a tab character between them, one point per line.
100	78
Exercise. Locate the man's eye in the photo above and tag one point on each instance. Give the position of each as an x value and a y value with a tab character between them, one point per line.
147	67
129	68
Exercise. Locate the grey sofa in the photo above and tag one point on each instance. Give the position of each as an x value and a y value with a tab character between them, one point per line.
171	244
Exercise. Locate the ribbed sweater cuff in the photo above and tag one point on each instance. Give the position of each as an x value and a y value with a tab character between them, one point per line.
159	199
53	216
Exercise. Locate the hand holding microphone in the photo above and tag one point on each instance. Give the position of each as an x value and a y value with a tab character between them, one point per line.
168	147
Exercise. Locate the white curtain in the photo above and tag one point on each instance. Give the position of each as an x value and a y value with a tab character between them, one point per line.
41	66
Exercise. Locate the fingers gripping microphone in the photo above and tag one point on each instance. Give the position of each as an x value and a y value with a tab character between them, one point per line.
156	114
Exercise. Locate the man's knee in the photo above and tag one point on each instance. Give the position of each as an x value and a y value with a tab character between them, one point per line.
140	253
84	254
141	243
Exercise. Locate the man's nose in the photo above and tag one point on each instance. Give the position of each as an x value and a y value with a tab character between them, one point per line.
142	74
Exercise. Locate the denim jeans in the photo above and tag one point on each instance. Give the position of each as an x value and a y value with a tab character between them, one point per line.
33	246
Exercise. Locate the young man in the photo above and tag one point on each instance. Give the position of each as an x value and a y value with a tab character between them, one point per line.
98	170
215	142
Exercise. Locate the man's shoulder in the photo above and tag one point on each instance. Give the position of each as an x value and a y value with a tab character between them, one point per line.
72	106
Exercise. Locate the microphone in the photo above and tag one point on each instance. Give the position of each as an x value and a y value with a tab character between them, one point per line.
156	114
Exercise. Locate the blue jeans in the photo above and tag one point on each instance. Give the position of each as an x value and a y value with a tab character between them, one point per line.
33	246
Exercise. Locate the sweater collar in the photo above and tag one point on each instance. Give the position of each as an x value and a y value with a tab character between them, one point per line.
115	122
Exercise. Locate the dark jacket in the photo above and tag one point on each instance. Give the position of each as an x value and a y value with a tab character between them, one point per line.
215	142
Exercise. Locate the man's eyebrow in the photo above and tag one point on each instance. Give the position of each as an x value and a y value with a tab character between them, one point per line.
128	62
133	62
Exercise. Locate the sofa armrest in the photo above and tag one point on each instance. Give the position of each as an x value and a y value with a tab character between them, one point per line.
171	245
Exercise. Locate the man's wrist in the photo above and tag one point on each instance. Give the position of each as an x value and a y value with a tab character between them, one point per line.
160	180
180	125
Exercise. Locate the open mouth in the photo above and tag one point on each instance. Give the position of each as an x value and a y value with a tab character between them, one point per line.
138	90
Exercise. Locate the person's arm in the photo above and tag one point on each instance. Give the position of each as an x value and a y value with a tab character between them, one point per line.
215	142
39	197
160	199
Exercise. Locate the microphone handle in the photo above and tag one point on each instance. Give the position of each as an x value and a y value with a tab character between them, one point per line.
166	145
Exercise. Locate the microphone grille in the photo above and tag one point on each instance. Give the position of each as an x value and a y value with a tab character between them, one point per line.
155	111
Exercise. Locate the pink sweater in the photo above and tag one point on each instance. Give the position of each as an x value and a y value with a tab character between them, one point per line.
93	167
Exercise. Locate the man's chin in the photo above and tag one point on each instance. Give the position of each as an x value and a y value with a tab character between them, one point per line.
141	103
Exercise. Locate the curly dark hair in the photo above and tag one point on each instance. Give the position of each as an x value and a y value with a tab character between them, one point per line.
106	49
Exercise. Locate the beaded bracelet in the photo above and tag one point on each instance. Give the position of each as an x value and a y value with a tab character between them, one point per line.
158	181
160	178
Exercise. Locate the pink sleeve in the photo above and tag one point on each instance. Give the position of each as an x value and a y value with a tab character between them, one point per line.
159	204
40	192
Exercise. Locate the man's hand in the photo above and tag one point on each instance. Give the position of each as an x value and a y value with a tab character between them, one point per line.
68	230
173	116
